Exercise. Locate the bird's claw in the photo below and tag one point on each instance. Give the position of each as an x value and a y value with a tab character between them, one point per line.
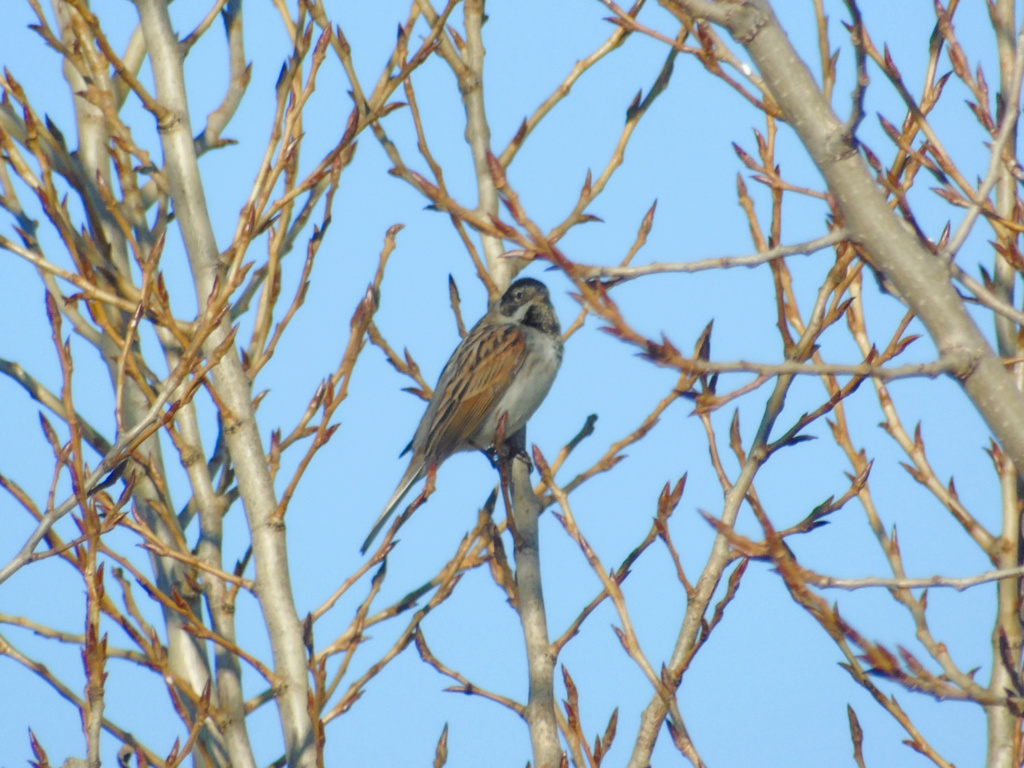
492	455
495	456
522	454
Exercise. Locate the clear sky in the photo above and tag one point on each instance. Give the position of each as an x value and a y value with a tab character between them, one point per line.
767	688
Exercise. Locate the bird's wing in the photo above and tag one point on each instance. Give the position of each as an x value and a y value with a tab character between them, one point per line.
481	371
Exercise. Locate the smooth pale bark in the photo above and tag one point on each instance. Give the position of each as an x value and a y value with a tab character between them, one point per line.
1002	723
273	583
540	707
185	654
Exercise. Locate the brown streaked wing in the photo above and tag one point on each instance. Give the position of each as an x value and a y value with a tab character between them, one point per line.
485	369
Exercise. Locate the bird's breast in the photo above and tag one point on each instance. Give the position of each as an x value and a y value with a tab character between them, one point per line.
528	389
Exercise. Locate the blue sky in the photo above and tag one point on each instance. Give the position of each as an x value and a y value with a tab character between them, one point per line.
767	687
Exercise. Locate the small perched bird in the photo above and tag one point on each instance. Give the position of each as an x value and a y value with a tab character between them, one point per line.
505	364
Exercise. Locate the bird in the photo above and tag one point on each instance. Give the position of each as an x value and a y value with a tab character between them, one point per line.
505	365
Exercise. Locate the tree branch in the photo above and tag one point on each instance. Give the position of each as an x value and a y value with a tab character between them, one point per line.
524	511
920	277
273	586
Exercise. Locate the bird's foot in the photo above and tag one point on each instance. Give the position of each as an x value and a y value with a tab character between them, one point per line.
492	455
524	456
495	456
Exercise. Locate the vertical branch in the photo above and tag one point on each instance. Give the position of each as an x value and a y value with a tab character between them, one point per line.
185	652
540	708
93	134
1003	724
540	656
94	653
94	648
273	585
1004	273
478	134
212	506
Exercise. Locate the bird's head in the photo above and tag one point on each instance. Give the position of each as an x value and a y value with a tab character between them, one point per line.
527	301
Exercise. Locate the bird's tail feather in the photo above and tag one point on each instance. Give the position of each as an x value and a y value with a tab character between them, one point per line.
412	474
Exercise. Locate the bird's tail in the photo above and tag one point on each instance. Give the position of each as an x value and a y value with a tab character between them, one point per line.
412	474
